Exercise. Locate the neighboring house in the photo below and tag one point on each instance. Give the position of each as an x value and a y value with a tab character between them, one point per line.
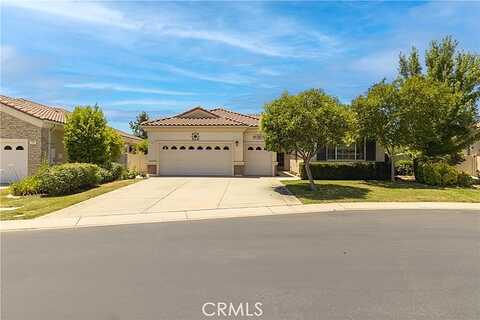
471	165
362	151
30	133
215	142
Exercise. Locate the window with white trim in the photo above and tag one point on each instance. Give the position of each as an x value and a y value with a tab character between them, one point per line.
342	152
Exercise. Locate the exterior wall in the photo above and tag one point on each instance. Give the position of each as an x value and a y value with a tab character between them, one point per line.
234	137
57	148
471	165
12	127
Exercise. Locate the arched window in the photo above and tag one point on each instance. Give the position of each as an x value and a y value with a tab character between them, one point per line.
217	148
191	148
199	148
208	148
265	149
182	148
250	148
19	148
175	148
165	148
226	148
7	148
258	148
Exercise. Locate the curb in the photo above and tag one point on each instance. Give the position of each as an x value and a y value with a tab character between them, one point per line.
192	215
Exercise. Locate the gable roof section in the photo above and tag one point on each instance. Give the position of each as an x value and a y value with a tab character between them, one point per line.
201	117
34	109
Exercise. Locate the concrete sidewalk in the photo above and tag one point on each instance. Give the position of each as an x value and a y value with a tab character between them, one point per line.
187	215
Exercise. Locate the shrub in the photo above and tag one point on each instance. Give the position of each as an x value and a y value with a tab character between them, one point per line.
28	186
117	170
69	178
404	168
105	175
348	171
130	174
464	180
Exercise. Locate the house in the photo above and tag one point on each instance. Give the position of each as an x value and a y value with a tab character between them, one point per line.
471	164
31	133
215	142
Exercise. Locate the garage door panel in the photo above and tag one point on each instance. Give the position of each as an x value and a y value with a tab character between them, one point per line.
195	162
258	161
13	160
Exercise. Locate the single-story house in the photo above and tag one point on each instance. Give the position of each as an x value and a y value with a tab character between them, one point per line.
30	133
471	164
215	142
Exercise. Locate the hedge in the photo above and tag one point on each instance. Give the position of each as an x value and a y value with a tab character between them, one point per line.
69	178
348	171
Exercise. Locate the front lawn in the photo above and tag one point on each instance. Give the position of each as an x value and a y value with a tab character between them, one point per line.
34	206
378	191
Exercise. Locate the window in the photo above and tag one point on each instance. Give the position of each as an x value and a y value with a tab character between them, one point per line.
19	148
175	148
165	148
341	152
258	148
208	148
217	148
191	148
7	148
199	148
250	148
226	148
181	148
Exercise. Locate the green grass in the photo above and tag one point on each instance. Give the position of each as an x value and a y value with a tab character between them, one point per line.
378	191
35	206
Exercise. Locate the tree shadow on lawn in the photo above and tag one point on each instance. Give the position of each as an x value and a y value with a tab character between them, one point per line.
328	191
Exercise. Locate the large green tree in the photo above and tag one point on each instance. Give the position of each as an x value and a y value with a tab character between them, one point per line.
443	98
136	125
379	116
438	122
303	123
86	136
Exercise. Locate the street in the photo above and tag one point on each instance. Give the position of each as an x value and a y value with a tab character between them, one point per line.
363	265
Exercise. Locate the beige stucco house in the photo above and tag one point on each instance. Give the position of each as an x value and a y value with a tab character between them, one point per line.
215	142
30	133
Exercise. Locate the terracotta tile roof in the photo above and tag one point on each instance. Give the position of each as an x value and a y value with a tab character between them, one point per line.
128	135
201	117
36	110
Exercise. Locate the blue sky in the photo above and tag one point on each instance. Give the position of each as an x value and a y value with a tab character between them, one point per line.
164	57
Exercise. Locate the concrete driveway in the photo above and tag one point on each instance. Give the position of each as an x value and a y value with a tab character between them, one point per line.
171	194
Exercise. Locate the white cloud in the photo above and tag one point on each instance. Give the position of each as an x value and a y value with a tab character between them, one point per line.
224	78
182	24
86	11
150	102
382	63
122	88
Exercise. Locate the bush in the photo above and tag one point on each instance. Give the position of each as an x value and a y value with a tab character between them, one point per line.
69	178
404	168
130	174
440	173
348	171
117	170
465	180
28	186
105	175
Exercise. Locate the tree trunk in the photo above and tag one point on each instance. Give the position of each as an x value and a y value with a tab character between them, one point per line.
392	169
313	187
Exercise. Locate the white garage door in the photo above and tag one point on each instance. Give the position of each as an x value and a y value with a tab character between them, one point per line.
13	160
195	160
259	161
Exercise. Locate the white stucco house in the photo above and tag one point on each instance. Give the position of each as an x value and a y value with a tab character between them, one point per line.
201	142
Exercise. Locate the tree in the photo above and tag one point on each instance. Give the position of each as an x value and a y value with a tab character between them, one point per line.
438	122
379	116
303	123
115	144
85	136
143	146
446	98
136	125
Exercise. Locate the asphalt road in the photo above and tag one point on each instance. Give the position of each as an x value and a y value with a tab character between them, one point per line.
350	265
